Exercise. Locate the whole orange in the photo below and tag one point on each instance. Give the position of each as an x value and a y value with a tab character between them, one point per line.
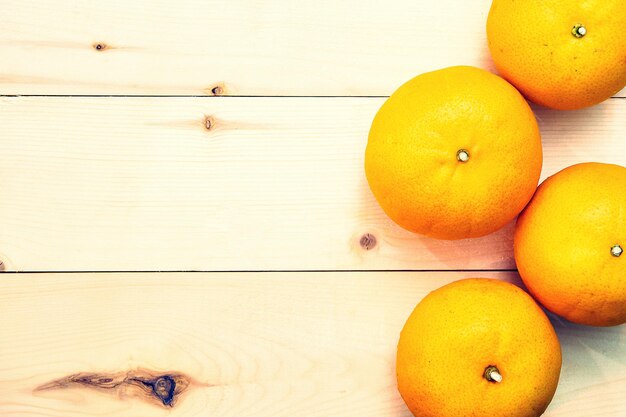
478	347
454	153
562	54
569	243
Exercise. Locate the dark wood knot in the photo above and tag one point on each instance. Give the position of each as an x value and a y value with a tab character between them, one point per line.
368	241
208	122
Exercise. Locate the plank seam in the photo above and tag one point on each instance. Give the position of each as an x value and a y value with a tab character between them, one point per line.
255	271
188	96
173	96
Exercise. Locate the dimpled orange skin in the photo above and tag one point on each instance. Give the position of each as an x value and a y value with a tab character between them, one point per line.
563	242
533	47
411	157
457	331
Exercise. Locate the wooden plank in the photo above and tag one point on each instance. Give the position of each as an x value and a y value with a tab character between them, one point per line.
275	184
262	344
239	47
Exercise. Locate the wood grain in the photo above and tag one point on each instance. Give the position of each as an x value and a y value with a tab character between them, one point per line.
163	387
274	184
251	344
238	47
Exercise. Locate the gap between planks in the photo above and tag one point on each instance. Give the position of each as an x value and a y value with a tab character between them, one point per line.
202	96
259	271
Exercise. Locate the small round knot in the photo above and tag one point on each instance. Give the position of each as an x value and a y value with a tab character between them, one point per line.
462	155
579	30
99	46
208	122
217	90
368	241
616	251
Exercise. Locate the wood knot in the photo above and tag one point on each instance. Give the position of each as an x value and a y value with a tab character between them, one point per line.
209	122
99	46
218	90
368	241
5	264
165	389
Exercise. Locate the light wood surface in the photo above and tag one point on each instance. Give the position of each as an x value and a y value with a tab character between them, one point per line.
95	179
274	184
200	47
262	344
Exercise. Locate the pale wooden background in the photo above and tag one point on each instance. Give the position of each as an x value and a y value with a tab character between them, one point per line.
117	157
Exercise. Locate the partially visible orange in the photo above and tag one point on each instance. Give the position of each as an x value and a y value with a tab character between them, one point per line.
459	334
562	54
569	243
454	153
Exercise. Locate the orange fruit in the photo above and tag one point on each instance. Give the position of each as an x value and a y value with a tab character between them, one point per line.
569	242
561	54
478	347
454	153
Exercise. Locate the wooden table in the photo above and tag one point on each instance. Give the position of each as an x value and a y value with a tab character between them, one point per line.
221	142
